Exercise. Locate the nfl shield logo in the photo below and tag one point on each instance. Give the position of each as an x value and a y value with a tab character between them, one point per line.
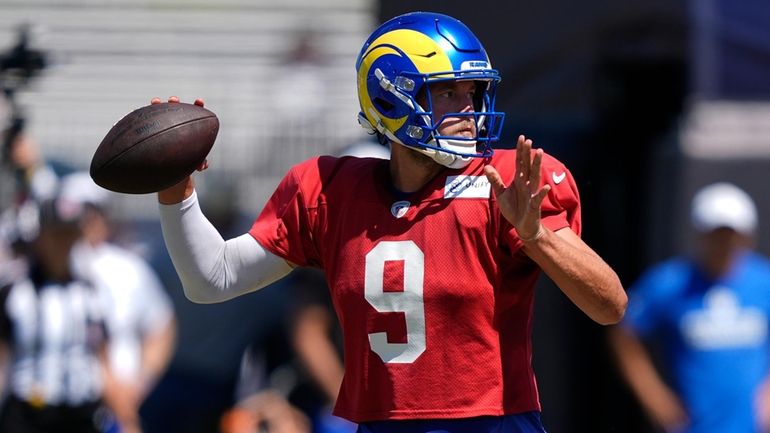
399	208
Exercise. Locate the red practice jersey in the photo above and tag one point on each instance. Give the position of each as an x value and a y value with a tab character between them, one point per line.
431	289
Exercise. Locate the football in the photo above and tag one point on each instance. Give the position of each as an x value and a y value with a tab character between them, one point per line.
154	147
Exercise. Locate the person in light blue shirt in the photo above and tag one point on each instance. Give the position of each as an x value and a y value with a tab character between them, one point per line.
708	317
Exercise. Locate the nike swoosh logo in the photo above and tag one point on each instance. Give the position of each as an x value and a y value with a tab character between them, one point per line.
557	178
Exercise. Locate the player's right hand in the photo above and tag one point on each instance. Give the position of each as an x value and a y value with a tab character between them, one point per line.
184	189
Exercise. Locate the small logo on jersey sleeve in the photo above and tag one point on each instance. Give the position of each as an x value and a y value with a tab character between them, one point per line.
399	208
557	178
467	187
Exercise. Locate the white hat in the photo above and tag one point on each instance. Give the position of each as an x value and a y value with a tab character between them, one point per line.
79	188
723	205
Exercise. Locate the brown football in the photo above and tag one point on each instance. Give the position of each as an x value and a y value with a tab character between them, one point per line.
154	147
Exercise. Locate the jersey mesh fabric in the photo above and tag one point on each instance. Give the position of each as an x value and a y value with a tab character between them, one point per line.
438	271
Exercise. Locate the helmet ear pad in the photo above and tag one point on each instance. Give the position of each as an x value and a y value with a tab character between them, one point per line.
385	102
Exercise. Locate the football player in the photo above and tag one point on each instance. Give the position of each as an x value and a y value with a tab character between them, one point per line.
432	256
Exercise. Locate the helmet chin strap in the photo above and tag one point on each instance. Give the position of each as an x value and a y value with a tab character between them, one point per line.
447	159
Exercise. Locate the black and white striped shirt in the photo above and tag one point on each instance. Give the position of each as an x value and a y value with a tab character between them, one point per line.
56	333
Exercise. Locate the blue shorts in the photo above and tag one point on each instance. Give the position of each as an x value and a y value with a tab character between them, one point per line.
528	422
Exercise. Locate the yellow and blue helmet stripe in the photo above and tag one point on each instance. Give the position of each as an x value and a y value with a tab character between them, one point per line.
404	54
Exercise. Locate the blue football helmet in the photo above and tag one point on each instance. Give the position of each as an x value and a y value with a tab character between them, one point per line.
394	66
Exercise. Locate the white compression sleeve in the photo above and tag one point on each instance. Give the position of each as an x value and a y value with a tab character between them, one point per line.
210	268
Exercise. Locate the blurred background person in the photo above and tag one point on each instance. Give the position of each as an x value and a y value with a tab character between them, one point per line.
53	336
316	338
141	320
31	175
27	179
707	315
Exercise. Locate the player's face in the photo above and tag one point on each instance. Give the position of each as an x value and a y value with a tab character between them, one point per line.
454	97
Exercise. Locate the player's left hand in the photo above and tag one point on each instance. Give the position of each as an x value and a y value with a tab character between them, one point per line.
520	201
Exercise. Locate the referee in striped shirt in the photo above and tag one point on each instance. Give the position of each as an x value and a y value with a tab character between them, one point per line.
52	337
